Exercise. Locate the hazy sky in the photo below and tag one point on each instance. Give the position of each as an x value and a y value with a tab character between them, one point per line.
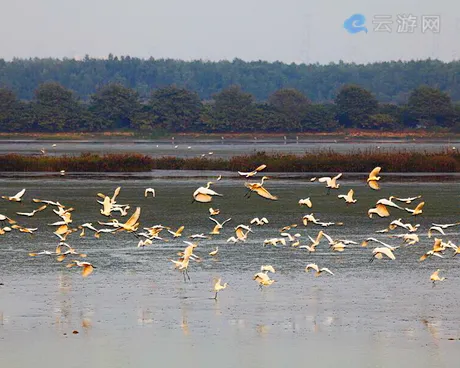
284	30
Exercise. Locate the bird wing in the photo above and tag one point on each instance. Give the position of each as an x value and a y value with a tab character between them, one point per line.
313	266
246	173
338	176
374	184
329	239
264	193
203	198
87	270
134	217
325	269
227	220
20	194
115	194
387	252
25	213
213	219
382	210
325	179
375	172
419	206
41	208
254	220
179	231
261	167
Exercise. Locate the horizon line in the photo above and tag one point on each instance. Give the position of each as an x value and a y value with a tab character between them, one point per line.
111	56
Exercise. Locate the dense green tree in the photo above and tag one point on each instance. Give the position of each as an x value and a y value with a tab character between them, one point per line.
175	109
354	106
115	107
320	118
232	110
389	81
10	118
430	106
55	108
292	105
382	122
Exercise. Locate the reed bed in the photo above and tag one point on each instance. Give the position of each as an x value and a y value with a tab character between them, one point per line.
447	161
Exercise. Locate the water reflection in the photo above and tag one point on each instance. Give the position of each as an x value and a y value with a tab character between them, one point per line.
144	316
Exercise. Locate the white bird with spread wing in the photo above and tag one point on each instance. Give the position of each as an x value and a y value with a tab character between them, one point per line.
348	197
319	271
373	179
219	226
149	190
204	194
16	198
331	183
252	173
259	222
259	189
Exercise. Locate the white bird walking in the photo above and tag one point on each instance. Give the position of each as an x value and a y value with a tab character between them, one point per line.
218	287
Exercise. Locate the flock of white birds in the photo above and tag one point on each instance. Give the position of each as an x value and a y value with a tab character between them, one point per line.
205	194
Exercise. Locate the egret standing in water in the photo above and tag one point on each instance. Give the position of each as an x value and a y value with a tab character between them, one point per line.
218	287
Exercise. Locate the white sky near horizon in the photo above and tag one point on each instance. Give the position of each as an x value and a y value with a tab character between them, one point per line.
288	31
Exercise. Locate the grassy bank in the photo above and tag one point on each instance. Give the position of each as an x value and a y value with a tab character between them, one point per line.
324	161
162	135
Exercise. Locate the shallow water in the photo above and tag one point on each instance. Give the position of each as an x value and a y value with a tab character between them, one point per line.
135	310
229	147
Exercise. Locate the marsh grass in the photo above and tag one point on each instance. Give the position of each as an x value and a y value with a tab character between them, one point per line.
319	161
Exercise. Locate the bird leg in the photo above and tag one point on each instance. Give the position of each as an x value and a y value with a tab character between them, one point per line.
186	271
434	284
372	259
248	194
215	297
260	287
328	191
183	273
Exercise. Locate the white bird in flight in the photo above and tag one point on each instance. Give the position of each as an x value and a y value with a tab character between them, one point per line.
149	190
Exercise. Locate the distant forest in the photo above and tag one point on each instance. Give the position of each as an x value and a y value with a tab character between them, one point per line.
51	95
388	81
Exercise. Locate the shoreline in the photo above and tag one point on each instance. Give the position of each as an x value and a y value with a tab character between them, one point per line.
346	134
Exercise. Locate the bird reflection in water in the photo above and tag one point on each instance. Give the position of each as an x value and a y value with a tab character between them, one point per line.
262	330
144	317
184	322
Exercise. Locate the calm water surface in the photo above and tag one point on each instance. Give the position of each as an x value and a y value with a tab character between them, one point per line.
135	310
230	147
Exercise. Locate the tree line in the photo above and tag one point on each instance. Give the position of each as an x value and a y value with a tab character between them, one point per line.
55	108
389	81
